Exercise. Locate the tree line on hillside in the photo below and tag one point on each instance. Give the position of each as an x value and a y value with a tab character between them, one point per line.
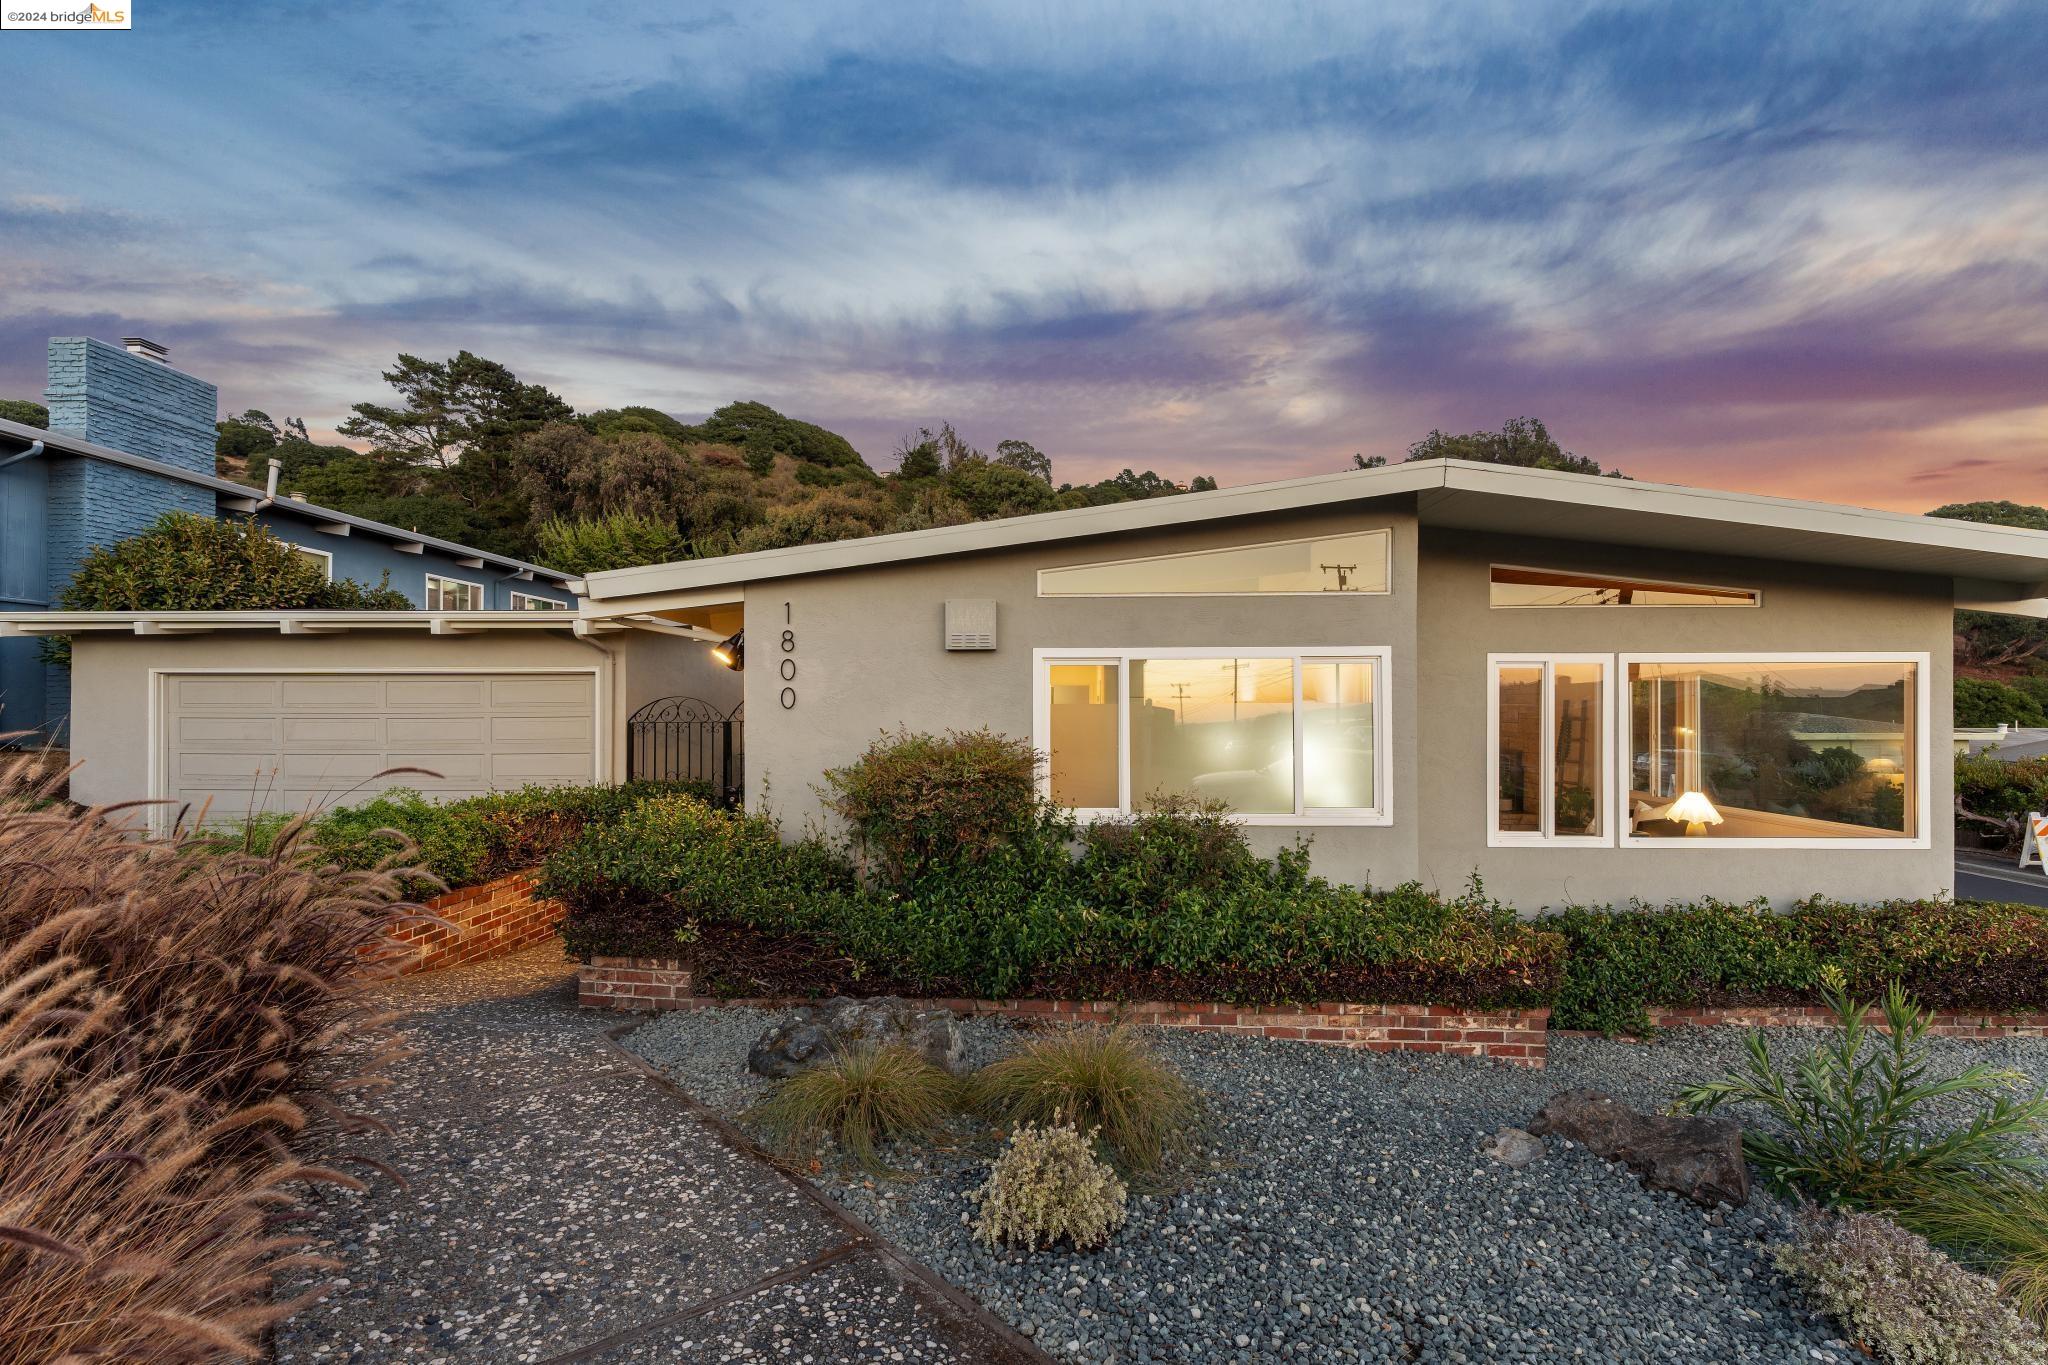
469	452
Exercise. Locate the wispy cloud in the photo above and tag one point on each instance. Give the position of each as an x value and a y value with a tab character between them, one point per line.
1784	248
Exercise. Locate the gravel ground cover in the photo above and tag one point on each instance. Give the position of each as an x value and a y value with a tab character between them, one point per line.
1348	1214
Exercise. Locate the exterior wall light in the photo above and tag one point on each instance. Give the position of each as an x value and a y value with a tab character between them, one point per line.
732	652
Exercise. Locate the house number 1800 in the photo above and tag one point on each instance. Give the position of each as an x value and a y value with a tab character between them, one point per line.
788	666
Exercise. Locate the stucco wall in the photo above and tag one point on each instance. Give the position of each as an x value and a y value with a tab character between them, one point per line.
1804	608
111	680
869	657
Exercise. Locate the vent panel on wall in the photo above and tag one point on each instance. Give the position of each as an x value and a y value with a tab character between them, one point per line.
971	623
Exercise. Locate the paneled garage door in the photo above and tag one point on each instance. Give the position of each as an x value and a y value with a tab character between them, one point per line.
291	741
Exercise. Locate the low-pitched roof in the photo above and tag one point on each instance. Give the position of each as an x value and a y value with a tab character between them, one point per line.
2000	568
66	443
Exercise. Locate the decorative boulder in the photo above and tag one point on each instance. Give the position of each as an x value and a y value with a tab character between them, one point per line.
1700	1158
811	1034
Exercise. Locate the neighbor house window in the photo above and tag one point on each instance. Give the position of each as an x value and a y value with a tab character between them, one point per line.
1776	748
453	594
1276	736
1548	749
1356	562
1517	587
533	601
324	558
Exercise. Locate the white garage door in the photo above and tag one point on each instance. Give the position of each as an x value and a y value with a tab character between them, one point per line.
293	741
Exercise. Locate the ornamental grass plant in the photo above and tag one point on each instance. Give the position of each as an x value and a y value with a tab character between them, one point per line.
861	1098
1107	1081
1998	1227
170	1013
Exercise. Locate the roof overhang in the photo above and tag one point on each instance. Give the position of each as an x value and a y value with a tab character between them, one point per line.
1993	568
14	625
236	497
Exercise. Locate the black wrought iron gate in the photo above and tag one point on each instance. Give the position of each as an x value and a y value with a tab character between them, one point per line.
687	739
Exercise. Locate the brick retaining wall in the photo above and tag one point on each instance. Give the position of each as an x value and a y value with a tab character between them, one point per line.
1946	1025
483	921
1517	1037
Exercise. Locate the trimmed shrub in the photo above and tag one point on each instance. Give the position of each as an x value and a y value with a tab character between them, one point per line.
918	802
756	916
1048	1185
1107	1080
861	1097
1901	1298
1994	797
1951	955
1848	1119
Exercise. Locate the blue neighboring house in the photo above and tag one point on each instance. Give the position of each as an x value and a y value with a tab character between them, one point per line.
132	438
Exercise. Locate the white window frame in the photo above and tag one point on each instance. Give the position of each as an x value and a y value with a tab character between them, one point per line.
1923	752
326	558
1756	594
1605	798
520	599
1379	656
483	596
1385	534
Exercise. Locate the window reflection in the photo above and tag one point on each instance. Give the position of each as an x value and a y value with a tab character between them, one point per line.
1220	729
1777	750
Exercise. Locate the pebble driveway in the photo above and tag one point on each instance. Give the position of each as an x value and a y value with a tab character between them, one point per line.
564	1204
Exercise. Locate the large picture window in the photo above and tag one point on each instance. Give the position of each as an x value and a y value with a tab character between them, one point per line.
1549	744
1278	736
1776	749
1355	562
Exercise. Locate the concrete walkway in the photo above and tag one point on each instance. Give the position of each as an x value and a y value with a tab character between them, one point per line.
567	1205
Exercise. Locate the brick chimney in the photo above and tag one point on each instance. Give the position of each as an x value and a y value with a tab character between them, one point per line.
129	397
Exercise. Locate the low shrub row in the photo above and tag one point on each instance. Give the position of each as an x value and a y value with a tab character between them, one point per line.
1129	917
461	843
1993	798
758	916
1951	955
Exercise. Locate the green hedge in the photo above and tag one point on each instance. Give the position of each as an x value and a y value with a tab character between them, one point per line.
673	877
464	842
1951	955
2004	792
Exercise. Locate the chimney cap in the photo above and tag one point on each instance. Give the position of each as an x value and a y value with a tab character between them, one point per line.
147	349
296	497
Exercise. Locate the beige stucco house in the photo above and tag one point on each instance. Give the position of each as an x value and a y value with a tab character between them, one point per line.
1578	689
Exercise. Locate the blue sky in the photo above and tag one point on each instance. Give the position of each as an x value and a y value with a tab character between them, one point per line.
1796	249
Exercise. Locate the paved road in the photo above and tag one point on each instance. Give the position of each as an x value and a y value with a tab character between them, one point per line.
1985	880
565	1205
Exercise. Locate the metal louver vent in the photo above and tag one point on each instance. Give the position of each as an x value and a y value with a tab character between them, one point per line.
971	623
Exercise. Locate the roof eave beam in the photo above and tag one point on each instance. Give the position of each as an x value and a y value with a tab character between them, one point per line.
2006	599
332	528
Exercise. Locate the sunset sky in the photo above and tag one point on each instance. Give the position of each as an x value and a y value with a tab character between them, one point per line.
1797	249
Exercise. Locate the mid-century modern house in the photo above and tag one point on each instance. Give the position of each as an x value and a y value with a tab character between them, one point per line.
132	438
1580	689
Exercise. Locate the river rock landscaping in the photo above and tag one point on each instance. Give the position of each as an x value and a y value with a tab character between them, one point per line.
1348	1208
